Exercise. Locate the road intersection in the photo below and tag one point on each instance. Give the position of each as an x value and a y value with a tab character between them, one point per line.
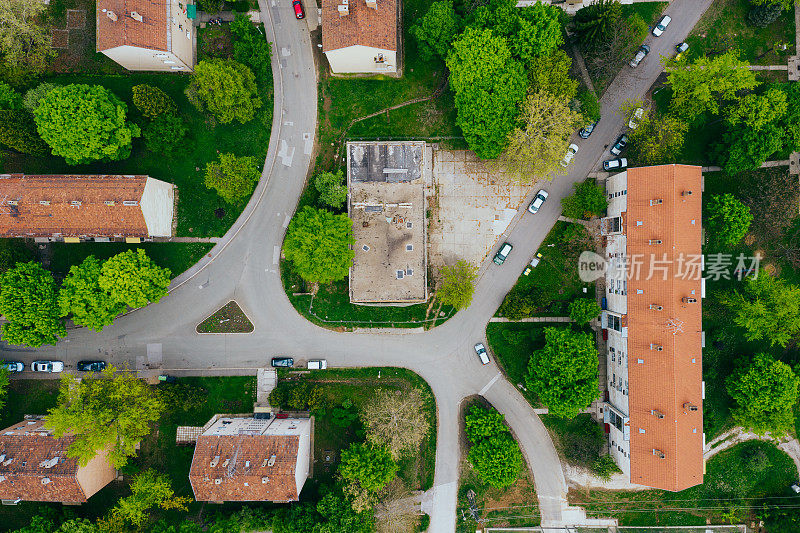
244	266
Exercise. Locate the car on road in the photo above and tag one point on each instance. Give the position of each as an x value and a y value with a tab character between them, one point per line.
637	115
661	25
640	53
480	349
502	253
91	366
619	146
298	9
615	164
318	364
538	201
282	362
47	366
680	49
12	366
571	151
586	131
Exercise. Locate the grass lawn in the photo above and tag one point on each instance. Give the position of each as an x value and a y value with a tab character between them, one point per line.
736	479
229	319
512	345
579	440
331	307
724	27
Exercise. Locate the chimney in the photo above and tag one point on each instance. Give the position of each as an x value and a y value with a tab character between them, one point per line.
373	4
658	414
113	16
344	8
689	406
271	460
136	16
658	453
214	461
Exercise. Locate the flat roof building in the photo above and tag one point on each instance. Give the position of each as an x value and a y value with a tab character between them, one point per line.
654	321
386	201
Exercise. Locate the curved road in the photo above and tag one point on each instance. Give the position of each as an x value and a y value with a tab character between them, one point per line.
244	266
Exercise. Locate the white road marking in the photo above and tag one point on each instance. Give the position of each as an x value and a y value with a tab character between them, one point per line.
286	221
276	254
286	154
288	123
286	51
308	145
489	385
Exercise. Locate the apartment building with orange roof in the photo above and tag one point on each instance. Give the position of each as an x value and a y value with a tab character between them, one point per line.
361	36
654	289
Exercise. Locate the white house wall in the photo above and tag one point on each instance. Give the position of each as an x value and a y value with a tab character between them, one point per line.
361	60
158	204
136	58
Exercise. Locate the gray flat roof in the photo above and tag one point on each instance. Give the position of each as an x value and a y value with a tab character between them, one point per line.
387	162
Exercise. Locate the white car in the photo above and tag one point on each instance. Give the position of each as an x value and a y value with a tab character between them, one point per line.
637	115
12	366
615	164
662	25
47	366
318	364
571	151
538	201
480	349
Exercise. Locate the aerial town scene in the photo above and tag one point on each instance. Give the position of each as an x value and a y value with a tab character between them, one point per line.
400	266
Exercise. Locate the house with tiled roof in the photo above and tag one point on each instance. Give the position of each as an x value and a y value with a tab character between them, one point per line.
360	36
654	289
238	459
34	467
71	208
144	35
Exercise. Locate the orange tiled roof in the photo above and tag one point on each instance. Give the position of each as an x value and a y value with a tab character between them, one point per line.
364	25
235	468
670	378
33	216
150	33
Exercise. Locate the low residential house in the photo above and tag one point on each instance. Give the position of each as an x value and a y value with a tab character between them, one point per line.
238	459
34	467
73	208
144	35
654	287
360	36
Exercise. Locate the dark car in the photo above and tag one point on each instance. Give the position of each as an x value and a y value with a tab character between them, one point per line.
91	366
640	53
620	145
619	163
586	131
283	361
298	9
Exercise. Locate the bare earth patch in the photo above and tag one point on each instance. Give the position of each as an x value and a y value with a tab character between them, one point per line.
229	319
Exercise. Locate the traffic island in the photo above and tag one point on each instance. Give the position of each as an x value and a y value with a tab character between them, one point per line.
229	319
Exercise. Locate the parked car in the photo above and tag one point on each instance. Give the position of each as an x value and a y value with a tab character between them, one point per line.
640	53
12	366
571	151
662	25
91	366
282	361
586	131
47	366
298	9
502	253
637	115
480	349
680	49
318	364
619	146
615	164
537	202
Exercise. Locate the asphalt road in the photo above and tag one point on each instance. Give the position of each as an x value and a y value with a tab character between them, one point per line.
245	267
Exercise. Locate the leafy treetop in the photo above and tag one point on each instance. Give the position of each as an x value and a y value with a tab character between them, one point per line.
318	245
29	304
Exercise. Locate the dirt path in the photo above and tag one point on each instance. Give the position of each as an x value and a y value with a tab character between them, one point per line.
736	435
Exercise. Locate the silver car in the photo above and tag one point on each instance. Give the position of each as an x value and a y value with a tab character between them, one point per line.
662	25
480	349
47	366
538	201
643	51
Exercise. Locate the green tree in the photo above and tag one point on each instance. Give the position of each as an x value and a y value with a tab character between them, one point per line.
785	4
497	460
149	490
583	310
250	47
29	304
13	251
531	31
742	149
331	190
564	373
395	421
232	177
338	516
590	105
480	423
489	86
457	284
701	86
81	296
586	202
131	278
551	73
164	134
24	41
764	15
210	6
78	525
18	132
658	139
33	96
227	89
4	382
370	466
112	411
604	467
536	148
767	308
436	30
84	123
756	111
152	101
595	23
765	393
728	219
9	98
318	245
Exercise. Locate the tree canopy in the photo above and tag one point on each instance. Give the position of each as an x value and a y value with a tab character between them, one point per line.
436	30
25	42
595	23
586	202
131	278
728	219
149	490
494	453
550	73
318	245
583	310
81	296
29	303
227	89
232	177
4	381
112	411
768	309
84	123
457	284
331	190
531	31
152	101
564	373
765	392
658	139
393	420
481	423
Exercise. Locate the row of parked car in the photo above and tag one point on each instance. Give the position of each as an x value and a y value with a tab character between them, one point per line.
53	366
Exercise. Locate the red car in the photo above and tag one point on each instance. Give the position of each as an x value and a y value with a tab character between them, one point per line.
298	9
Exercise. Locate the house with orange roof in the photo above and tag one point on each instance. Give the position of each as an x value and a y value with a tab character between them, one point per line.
360	36
143	35
34	467
654	288
241	459
72	208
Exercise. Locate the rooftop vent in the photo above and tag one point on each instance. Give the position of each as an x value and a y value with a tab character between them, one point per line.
45	480
75	203
400	274
690	406
409	272
50	463
658	414
409	247
688	300
654	241
365	248
655	307
344	8
265	479
44	202
264	462
247	464
409	225
686	193
109	202
372	3
111	15
657	201
2	478
12	202
130	203
272	460
659	454
225	462
656	347
214	461
136	16
8	461
218	481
